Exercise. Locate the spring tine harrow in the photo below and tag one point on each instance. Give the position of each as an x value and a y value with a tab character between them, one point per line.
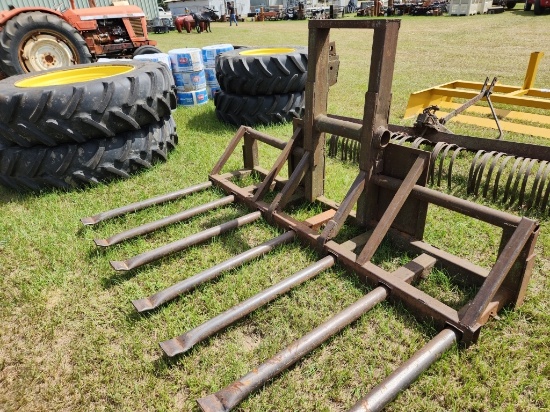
388	199
179	245
152	226
154	301
229	397
189	339
134	207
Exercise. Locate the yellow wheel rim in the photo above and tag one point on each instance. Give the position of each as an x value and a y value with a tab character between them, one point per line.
73	75
267	51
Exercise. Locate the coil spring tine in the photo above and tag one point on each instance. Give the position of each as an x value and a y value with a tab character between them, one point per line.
541	187
497	178
494	162
418	142
433	158
546	195
442	159
403	139
531	202
481	169
333	145
470	184
450	174
521	171
527	173
510	178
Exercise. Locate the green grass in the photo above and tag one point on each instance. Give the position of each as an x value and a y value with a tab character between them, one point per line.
70	339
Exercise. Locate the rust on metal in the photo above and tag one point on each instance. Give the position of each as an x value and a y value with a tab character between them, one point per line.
388	199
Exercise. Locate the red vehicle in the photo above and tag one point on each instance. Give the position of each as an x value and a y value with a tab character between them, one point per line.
38	38
539	6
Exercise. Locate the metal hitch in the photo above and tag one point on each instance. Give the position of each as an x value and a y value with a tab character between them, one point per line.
390	201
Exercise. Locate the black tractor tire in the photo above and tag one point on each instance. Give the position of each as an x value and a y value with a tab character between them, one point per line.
527	6
510	4
79	165
253	110
62	106
38	41
146	50
262	71
538	9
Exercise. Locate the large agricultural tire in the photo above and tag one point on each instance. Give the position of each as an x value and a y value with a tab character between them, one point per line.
75	104
252	110
538	9
36	41
141	50
78	165
262	71
527	6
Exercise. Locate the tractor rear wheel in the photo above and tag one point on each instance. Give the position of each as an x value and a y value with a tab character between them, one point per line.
538	9
252	110
37	41
146	50
262	71
74	104
77	165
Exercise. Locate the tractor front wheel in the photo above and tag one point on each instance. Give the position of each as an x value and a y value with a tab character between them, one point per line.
36	41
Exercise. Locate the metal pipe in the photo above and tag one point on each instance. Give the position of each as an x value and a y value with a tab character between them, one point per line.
402	377
133	207
229	397
186	285
324	123
483	213
181	244
186	341
157	224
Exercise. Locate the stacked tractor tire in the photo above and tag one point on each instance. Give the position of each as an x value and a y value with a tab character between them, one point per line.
261	86
86	124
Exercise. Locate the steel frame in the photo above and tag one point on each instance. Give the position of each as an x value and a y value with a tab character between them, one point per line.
391	199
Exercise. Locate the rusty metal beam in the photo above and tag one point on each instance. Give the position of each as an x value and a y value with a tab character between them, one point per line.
189	339
134	207
179	245
186	285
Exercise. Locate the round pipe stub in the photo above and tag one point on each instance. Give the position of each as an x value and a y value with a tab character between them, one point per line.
381	138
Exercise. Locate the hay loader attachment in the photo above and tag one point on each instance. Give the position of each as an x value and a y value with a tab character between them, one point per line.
387	199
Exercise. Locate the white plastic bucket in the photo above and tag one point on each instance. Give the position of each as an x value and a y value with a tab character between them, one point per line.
155	57
212	90
209	53
210	76
193	98
189	81
186	60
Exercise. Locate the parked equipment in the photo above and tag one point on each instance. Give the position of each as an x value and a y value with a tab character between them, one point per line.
539	6
392	201
39	38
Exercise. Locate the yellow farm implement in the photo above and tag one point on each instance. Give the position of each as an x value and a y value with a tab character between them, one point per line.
511	101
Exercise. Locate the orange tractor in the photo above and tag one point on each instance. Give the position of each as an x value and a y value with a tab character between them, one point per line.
39	38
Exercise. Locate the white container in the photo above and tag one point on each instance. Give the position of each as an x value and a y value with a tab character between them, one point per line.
155	57
212	90
194	98
189	81
186	60
209	53
464	7
210	76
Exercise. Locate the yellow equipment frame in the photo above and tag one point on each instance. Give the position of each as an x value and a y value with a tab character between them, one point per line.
526	96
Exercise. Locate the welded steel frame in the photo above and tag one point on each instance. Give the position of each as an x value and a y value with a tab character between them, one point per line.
389	192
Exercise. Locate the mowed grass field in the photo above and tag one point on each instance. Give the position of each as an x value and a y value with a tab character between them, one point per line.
70	339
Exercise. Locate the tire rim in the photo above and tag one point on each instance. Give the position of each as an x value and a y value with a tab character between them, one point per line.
45	51
267	51
74	75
